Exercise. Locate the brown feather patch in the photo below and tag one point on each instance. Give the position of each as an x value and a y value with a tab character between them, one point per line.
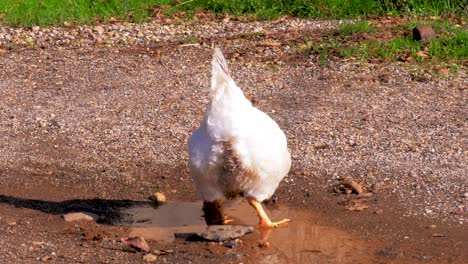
234	178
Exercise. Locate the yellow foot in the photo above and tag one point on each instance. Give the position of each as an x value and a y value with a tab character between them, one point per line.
269	224
227	220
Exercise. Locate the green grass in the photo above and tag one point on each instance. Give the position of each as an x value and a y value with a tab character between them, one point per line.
54	12
355	27
450	46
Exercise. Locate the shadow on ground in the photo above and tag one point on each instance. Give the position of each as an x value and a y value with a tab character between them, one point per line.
109	211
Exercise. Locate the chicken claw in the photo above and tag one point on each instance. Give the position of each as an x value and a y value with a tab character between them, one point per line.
265	221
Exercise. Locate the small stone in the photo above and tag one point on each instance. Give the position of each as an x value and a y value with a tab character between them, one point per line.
431	226
137	243
378	212
428	211
388	253
80	216
219	233
99	29
264	244
353	185
150	258
232	243
423	33
38	243
46	258
35	28
158	198
321	145
225	232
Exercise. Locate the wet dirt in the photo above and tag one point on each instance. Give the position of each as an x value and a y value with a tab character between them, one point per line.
300	241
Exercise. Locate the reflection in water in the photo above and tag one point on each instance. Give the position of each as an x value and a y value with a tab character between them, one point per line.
299	242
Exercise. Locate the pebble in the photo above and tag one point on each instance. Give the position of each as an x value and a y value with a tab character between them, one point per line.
158	198
150	258
219	233
138	243
80	216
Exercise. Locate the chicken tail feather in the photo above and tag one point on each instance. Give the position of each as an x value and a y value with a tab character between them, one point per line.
220	70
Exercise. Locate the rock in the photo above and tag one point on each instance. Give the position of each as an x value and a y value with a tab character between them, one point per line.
217	233
158	198
46	258
321	145
80	216
38	243
220	233
137	243
352	143
150	258
353	185
378	212
388	253
423	33
232	243
264	244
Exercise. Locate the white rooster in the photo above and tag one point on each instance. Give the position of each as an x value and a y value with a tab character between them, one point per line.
237	151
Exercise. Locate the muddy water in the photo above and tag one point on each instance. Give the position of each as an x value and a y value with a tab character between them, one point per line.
301	241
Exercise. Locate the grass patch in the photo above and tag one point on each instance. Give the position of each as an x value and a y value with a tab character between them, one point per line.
54	12
351	28
449	47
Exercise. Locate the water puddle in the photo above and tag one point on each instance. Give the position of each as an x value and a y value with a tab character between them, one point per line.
301	241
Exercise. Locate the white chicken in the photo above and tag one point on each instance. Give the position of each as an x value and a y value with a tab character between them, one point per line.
237	151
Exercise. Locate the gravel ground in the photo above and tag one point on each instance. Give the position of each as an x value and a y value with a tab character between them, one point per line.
176	30
105	111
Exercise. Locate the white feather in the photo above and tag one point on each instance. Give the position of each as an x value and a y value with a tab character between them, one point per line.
256	139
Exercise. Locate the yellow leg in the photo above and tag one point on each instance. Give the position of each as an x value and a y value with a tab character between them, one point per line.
265	221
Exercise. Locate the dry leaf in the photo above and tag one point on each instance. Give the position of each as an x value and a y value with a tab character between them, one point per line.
269	44
422	55
444	71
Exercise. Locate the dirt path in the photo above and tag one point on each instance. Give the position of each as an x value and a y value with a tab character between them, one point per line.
99	128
